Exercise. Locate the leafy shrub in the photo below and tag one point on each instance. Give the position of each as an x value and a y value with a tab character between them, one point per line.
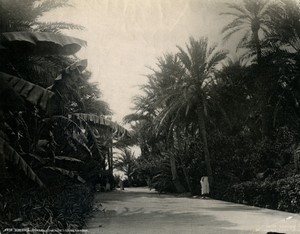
283	194
59	207
289	194
163	183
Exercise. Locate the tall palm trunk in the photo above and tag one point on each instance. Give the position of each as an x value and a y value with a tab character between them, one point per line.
178	186
186	175
257	45
181	149
201	119
2	167
129	180
296	157
265	107
175	179
227	120
2	156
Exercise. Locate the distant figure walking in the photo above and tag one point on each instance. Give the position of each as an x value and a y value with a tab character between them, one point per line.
204	186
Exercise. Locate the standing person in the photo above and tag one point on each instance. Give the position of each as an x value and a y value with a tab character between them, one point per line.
204	186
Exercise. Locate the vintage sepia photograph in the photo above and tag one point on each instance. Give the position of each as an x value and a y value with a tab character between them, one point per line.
150	116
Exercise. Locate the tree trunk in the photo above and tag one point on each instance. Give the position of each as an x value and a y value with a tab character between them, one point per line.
296	157
227	120
201	119
257	43
3	173
179	142
187	179
2	157
148	181
266	114
110	159
129	181
178	186
129	174
2	167
175	179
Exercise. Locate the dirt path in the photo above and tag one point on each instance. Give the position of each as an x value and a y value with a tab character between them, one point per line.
139	211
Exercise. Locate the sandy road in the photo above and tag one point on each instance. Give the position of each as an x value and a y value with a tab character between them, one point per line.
140	211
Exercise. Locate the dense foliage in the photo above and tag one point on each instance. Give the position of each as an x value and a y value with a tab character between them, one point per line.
235	120
55	138
64	206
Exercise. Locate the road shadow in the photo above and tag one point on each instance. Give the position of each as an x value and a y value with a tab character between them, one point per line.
128	194
233	207
144	217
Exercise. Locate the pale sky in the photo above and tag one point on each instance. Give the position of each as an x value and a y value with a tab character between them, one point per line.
125	36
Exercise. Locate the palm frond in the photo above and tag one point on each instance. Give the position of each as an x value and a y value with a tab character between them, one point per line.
48	5
237	15
39	43
184	58
77	66
71	174
236	23
13	156
34	156
81	146
237	8
243	43
65	122
34	94
215	59
135	117
69	159
230	33
101	121
56	27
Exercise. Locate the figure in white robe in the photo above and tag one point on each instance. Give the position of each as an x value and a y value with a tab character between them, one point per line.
204	185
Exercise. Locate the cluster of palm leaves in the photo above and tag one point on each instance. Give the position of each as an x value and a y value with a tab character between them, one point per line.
126	163
200	95
53	126
50	113
35	127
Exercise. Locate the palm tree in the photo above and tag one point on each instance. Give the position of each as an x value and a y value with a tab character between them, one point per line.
252	19
125	162
27	70
285	25
194	71
154	137
22	16
230	96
